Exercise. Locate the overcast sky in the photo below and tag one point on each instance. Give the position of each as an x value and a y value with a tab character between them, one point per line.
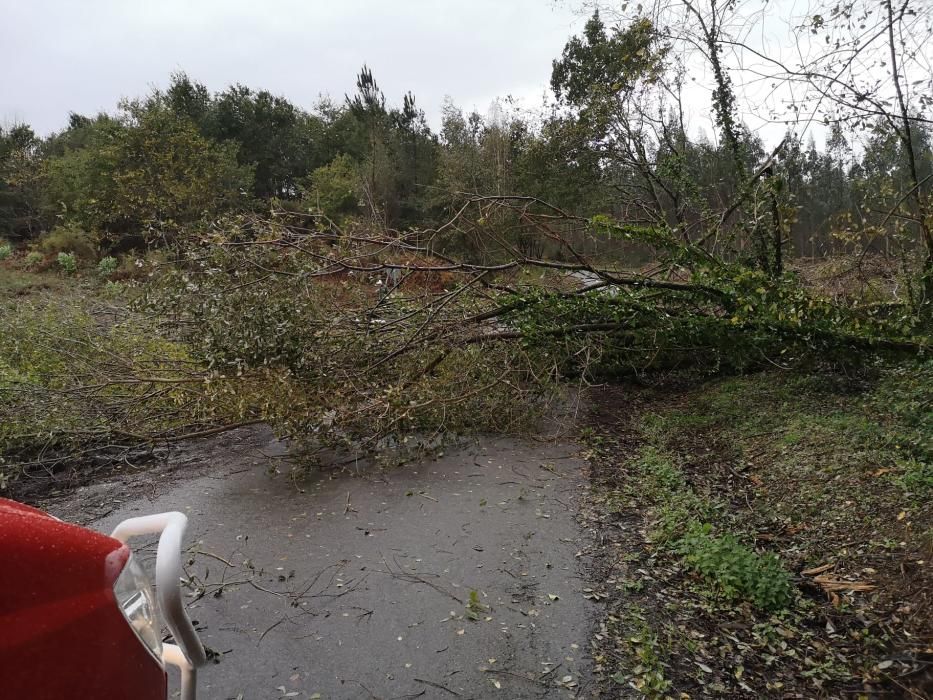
58	56
84	55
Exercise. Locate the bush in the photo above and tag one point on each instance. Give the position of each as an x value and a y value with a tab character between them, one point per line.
83	392
69	239
33	259
152	166
735	570
5	250
335	188
67	262
107	266
113	290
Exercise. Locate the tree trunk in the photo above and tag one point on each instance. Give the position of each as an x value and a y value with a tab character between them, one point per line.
906	136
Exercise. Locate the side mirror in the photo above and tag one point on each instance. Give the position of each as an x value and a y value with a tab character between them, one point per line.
187	654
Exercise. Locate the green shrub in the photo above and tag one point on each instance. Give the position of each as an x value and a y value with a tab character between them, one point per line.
735	570
107	266
113	290
335	188
68	262
33	259
81	390
69	239
5	250
730	567
916	477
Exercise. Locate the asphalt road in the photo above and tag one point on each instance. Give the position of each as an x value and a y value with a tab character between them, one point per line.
454	577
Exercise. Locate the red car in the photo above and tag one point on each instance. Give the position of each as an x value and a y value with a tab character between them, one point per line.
78	616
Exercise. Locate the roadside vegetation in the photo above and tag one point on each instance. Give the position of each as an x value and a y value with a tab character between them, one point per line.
749	322
771	533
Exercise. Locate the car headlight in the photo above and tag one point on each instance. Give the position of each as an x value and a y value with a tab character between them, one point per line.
134	596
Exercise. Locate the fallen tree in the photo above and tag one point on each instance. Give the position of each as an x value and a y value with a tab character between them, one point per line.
388	331
348	337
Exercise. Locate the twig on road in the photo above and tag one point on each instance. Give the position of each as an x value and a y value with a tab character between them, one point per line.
272	627
438	686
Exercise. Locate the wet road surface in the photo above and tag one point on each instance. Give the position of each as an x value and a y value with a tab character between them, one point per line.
453	577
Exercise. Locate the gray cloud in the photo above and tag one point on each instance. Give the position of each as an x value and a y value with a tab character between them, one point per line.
66	55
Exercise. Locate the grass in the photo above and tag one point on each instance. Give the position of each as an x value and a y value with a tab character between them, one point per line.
682	522
785	521
814	425
15	283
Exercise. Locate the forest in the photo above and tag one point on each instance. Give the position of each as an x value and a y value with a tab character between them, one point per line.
739	325
181	156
